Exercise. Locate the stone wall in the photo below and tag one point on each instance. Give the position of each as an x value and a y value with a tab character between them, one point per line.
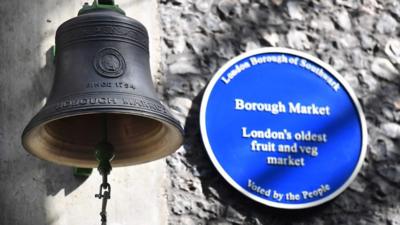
359	38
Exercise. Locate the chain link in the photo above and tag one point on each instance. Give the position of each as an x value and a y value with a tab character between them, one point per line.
105	194
104	154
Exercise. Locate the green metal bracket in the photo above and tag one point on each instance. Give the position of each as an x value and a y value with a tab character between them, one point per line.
101	4
82	172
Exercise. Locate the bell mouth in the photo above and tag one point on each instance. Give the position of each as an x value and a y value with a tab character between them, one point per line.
71	140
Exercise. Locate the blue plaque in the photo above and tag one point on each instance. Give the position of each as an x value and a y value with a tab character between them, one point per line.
283	128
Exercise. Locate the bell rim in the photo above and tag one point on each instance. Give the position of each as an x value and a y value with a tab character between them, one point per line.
166	120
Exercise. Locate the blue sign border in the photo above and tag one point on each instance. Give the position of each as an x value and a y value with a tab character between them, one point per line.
332	72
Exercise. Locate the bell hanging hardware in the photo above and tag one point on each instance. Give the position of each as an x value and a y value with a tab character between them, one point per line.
102	110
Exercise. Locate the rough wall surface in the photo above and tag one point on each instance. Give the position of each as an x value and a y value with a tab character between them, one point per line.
359	38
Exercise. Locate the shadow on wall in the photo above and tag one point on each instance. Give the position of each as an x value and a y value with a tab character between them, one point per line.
26	181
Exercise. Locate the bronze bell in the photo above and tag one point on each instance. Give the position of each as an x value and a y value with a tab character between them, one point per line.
102	71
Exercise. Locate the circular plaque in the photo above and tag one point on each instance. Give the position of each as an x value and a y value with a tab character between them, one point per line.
283	128
109	63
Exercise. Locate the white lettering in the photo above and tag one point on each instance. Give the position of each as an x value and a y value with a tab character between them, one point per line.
235	71
309	109
274	108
